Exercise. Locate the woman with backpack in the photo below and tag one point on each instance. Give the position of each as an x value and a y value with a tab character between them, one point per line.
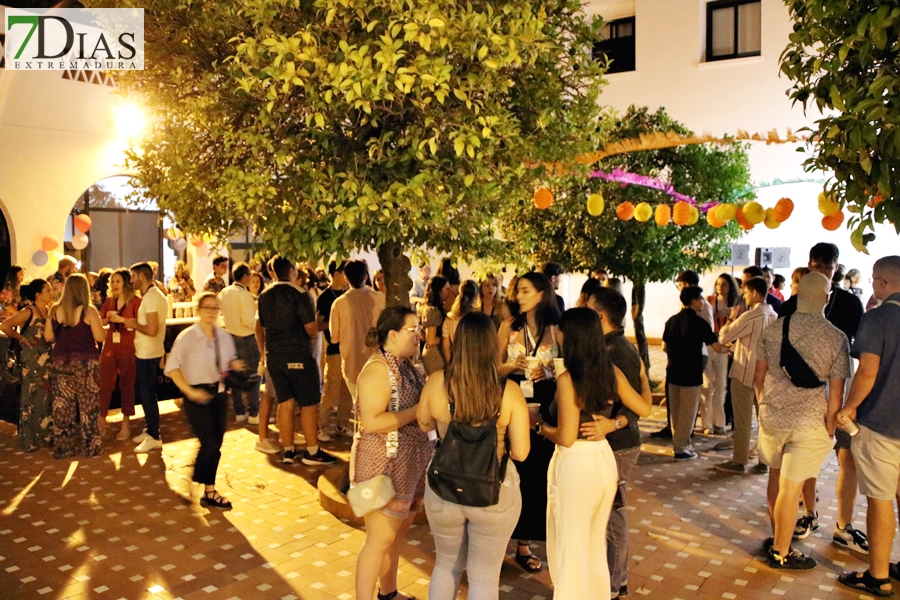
583	478
389	443
482	420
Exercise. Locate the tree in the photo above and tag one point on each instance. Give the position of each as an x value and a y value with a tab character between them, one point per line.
641	252
843	59
336	125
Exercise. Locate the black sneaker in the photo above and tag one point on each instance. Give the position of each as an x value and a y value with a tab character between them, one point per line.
851	538
623	591
767	545
794	561
806	525
288	457
686	455
319	458
664	434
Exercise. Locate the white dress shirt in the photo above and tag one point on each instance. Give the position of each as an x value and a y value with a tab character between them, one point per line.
238	310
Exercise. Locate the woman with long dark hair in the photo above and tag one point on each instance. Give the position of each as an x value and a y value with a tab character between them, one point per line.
528	345
712	415
117	356
463	305
437	292
467	537
583	477
27	326
389	442
10	296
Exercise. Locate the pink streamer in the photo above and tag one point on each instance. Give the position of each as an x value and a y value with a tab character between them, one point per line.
624	177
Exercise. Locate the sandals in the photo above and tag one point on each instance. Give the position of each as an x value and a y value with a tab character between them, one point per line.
522	560
215	500
391	595
894	571
865	582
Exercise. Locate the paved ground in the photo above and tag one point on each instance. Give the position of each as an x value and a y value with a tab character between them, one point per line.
125	526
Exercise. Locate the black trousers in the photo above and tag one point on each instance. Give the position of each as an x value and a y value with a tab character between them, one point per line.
208	422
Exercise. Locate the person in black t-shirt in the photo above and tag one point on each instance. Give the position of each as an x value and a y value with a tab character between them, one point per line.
683	340
844	310
334	391
285	326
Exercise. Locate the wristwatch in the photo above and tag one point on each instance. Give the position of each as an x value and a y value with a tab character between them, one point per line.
619	423
537	428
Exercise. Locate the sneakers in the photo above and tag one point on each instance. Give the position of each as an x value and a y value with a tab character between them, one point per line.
664	434
686	455
251	420
767	545
139	437
323	436
851	538
730	467
718	430
726	445
266	447
317	459
344	430
761	468
794	561
289	457
240	418
806	525
147	445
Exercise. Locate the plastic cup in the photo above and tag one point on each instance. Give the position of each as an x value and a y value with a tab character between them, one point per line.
533	363
559	366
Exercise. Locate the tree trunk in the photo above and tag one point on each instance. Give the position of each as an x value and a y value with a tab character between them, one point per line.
396	267
638	297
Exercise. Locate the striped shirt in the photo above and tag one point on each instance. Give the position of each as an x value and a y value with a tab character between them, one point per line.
745	331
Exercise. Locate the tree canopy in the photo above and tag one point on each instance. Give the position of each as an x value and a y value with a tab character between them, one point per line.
843	58
335	125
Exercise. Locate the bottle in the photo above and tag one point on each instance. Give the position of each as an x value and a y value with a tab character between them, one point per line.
849	426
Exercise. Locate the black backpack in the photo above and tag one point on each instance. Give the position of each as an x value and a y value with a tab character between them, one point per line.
465	469
793	365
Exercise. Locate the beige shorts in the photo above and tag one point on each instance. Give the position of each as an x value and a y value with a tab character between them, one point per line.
877	460
799	454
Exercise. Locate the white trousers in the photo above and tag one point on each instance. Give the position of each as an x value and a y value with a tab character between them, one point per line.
715	384
581	487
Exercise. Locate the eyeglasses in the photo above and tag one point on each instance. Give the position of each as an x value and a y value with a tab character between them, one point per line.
211	308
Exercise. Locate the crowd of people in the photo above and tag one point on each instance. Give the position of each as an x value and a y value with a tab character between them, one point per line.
495	410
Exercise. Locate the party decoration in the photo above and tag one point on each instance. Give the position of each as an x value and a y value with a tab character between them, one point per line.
80	241
625	211
643	212
742	219
695	216
82	223
727	212
770	220
172	233
712	218
595	205
40	258
783	209
827	205
875	200
663	215
50	242
833	221
681	214
627	178
179	244
754	213
197	241
53	260
543	198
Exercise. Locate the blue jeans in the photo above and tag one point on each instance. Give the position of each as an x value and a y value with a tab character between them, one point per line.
145	392
617	527
247	351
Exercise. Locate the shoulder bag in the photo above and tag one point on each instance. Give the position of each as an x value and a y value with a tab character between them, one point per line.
793	365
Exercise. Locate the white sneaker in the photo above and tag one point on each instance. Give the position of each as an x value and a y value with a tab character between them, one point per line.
147	445
267	447
253	420
323	436
241	418
345	431
140	437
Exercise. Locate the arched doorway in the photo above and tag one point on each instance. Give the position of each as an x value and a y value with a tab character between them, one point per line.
5	246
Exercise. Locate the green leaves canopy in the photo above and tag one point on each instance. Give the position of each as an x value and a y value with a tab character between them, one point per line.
844	59
342	124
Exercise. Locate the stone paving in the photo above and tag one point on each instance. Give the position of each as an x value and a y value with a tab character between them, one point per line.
129	526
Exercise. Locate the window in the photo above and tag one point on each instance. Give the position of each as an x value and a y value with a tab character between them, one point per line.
617	45
733	29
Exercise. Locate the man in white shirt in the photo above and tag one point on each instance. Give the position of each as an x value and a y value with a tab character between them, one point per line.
239	313
744	332
149	348
352	316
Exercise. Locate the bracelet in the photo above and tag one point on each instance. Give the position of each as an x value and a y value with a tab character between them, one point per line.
537	429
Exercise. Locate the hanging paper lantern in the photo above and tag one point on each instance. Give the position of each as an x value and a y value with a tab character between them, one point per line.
180	244
663	215
695	216
712	218
783	209
543	198
80	241
875	200
681	214
50	242
770	220
643	212
53	260
833	221
172	233
754	213
827	205
742	219
625	211
595	205
40	258
82	223
197	241
726	212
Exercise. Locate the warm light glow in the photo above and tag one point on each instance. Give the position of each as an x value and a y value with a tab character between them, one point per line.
130	121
